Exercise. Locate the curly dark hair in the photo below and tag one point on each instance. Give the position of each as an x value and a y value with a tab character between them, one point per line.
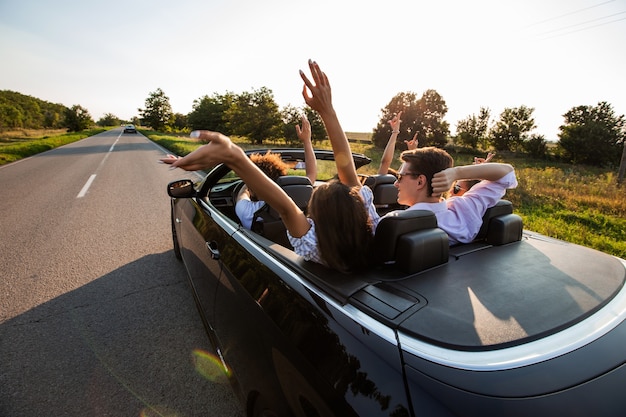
271	164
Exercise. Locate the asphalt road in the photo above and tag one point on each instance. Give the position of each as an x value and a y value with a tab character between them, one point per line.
96	316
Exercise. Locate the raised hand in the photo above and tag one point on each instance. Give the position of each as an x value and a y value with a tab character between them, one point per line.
320	97
412	144
218	149
395	122
304	132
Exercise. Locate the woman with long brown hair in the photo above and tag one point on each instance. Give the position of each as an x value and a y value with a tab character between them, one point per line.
339	229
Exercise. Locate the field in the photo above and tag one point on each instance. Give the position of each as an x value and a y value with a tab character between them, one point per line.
18	144
578	204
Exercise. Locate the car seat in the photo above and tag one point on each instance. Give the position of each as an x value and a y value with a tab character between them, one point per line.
267	221
411	241
384	191
500	226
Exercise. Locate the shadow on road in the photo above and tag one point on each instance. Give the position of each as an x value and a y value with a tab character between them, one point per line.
125	344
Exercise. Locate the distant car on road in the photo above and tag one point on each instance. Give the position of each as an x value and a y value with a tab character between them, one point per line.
130	129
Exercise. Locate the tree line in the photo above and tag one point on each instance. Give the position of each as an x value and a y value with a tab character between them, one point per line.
593	135
20	111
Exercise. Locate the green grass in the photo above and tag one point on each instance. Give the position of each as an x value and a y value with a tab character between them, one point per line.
15	146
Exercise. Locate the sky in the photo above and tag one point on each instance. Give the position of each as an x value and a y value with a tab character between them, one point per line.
108	56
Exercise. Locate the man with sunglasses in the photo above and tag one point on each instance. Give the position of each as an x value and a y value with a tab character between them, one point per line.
427	173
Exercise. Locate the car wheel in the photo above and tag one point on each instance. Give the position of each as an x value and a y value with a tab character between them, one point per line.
175	240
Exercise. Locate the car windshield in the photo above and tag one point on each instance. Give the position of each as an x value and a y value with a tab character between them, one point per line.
326	170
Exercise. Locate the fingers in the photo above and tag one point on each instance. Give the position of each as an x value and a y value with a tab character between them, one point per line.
318	75
168	159
441	182
307	83
305	90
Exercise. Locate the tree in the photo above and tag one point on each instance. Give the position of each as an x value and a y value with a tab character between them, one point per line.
423	116
292	116
593	135
536	146
21	111
255	115
108	120
318	130
77	118
472	131
512	129
10	116
179	122
209	112
405	102
158	111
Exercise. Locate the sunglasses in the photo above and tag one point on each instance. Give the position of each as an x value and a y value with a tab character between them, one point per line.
407	174
457	188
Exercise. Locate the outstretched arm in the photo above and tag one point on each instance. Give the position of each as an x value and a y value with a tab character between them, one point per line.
443	180
320	99
385	160
219	149
310	164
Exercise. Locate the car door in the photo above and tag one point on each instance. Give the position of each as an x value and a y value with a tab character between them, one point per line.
203	235
291	350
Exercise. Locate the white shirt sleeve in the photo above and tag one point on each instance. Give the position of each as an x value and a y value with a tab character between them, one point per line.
465	213
245	209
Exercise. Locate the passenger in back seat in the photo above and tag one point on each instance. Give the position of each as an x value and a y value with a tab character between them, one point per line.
427	173
273	166
247	202
462	186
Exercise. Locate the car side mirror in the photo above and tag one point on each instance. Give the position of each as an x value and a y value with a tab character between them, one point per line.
181	189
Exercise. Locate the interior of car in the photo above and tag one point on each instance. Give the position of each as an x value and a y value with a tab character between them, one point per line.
405	232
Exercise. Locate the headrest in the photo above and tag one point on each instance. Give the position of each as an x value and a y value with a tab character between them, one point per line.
299	188
422	249
505	229
397	223
383	189
293	180
501	208
374	180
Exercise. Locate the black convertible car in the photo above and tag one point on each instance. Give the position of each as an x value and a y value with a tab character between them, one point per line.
512	324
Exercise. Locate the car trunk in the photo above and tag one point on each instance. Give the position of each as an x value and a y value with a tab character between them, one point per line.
507	295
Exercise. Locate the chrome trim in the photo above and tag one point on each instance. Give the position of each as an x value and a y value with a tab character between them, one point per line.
371	324
572	338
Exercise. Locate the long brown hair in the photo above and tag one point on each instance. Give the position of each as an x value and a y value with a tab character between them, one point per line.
342	225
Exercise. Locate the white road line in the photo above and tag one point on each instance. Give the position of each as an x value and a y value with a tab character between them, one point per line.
86	186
